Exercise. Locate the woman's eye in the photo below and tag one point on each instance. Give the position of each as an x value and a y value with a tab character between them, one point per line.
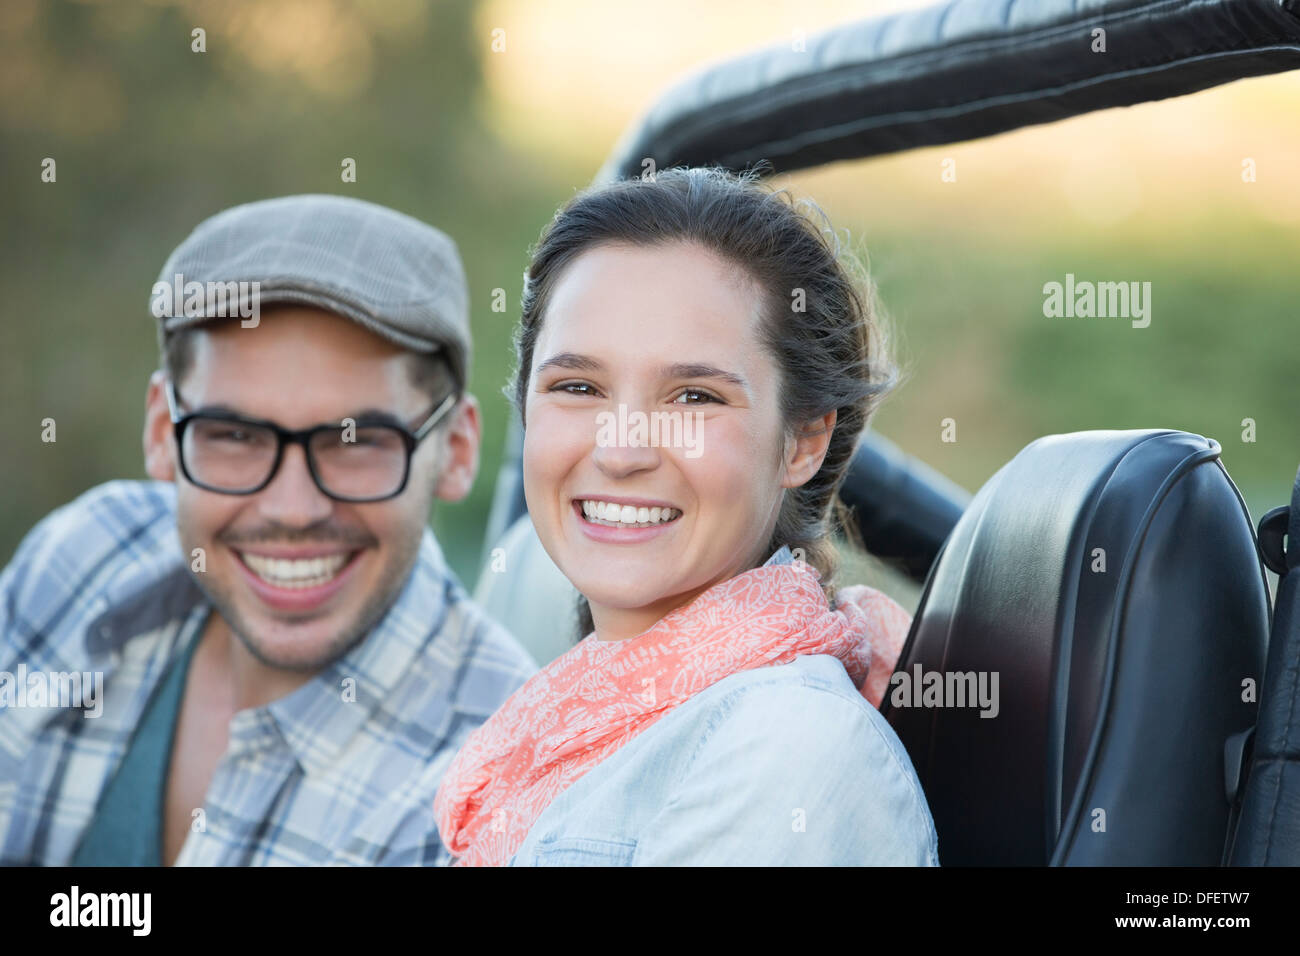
692	396
573	388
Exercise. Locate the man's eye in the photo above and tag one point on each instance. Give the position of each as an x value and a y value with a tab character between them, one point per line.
693	396
230	434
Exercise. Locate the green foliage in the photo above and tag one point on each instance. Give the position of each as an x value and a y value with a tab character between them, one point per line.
150	138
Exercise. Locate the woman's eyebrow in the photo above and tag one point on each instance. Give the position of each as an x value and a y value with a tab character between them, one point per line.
697	370
572	361
585	363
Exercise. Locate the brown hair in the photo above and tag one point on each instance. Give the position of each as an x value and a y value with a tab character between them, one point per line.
820	322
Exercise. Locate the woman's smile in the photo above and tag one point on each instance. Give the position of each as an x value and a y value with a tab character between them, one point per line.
620	520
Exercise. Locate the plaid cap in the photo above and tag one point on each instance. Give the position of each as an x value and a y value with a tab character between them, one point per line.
393	274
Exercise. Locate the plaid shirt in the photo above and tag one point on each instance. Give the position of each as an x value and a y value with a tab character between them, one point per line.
312	778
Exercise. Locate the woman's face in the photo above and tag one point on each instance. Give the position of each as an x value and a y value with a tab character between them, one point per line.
654	456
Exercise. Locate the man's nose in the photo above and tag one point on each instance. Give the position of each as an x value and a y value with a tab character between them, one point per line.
292	497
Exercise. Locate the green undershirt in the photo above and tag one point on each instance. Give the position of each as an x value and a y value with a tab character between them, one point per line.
128	823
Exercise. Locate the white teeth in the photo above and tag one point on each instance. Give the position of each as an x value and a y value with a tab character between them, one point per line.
629	515
302	573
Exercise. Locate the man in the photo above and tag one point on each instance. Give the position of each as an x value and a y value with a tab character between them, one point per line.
286	662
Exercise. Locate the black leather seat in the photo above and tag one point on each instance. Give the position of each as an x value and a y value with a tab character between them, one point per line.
1111	580
1268	831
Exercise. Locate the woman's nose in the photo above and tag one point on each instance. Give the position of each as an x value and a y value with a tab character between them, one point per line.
624	443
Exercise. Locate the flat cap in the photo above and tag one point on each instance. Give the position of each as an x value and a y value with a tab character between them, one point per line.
393	274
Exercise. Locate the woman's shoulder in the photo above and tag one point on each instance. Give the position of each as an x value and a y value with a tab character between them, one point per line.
815	680
806	707
781	764
796	744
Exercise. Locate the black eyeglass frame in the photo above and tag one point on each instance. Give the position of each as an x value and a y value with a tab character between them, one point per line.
286	436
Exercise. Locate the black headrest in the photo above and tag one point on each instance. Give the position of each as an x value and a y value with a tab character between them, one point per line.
1106	585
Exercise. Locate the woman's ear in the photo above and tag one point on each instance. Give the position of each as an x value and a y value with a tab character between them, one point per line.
159	461
806	451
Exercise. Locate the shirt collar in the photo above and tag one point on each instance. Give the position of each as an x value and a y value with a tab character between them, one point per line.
320	719
783	555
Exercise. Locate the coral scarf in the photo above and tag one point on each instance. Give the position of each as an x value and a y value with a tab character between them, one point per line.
597	696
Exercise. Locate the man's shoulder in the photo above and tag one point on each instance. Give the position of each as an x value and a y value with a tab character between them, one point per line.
489	648
114	510
485	663
92	539
496	642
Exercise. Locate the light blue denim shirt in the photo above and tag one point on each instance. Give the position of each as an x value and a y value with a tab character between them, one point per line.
785	765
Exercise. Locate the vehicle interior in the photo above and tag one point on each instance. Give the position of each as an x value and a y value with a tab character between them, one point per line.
1115	581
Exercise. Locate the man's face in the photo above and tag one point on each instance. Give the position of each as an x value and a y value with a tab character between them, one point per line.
298	576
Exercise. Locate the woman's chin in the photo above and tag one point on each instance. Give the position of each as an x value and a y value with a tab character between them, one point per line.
629	594
648	596
622	598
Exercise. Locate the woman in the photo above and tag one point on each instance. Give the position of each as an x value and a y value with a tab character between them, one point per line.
695	369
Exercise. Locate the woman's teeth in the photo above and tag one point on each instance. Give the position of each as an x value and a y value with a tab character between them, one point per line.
626	516
307	573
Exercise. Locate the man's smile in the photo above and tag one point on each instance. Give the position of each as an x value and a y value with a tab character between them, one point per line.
299	579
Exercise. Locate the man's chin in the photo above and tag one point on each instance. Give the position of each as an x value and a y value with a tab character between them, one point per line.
300	643
306	649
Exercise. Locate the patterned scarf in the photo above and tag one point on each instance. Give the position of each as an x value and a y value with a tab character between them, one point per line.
593	699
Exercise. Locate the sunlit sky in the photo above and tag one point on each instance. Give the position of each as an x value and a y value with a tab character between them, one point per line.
575	73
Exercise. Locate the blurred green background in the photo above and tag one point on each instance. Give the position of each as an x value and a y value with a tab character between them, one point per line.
483	118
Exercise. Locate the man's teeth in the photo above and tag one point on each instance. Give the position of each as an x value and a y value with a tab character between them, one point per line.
305	573
607	512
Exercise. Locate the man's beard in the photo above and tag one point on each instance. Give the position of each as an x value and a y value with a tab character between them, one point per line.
391	583
372	612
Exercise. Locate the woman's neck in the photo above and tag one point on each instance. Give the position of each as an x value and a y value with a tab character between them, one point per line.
613	624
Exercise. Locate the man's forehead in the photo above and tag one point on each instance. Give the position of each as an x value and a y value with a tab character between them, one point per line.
297	376
253	398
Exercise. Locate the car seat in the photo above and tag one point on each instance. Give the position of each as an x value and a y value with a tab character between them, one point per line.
1110	580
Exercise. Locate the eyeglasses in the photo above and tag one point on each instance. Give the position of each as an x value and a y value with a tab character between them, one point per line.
366	460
